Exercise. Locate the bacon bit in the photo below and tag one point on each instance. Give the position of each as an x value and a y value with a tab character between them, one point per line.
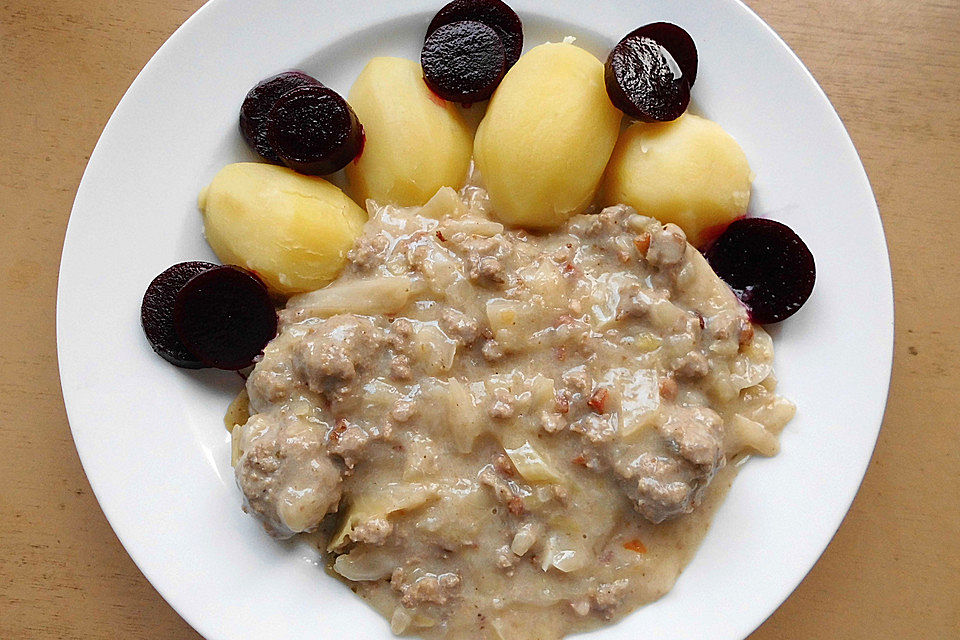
561	353
569	268
515	506
598	399
580	460
669	388
635	545
642	243
563	403
703	323
440	235
338	430
746	334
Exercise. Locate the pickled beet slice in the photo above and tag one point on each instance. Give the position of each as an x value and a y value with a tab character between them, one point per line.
676	41
314	131
645	80
463	61
225	316
767	265
156	313
492	13
259	101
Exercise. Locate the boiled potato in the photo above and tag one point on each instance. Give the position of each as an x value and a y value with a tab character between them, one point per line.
416	142
293	230
690	172
547	135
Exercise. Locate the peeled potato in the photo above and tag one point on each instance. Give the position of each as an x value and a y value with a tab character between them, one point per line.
416	142
690	172
547	135
293	230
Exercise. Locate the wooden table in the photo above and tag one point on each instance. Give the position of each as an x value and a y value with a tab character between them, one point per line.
891	68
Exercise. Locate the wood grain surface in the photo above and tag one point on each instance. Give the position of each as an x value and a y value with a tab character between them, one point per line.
891	68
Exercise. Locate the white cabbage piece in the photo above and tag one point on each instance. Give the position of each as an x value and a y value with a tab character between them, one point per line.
371	296
380	503
364	563
463	415
532	465
744	433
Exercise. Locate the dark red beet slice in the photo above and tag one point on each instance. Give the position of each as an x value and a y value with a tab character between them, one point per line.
645	79
225	316
676	41
767	265
156	313
463	61
492	13
313	130
259	101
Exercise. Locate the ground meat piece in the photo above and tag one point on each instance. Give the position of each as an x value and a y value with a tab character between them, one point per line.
577	379
552	422
666	485
427	589
634	302
460	326
502	488
608	596
697	434
596	427
504	465
661	487
492	351
483	259
370	252
609	220
691	366
285	473
270	382
667	247
373	531
403	410
332	351
669	388
400	368
502	406
348	441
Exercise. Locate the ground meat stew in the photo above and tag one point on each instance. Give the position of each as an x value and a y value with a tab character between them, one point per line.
502	434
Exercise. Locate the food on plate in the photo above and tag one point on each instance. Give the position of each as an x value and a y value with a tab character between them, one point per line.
314	131
259	101
416	142
546	137
528	430
463	61
689	172
292	230
509	403
767	265
156	313
493	13
225	317
650	72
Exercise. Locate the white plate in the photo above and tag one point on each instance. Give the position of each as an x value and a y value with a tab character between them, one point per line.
150	435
